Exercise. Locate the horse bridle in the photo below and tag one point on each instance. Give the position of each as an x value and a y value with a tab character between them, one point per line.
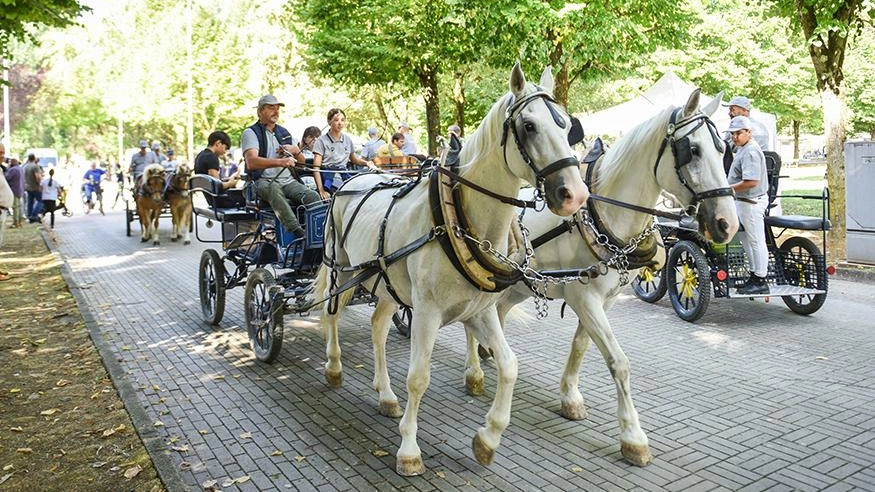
683	154
514	109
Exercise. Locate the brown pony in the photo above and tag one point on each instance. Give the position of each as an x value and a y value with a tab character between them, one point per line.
179	198
150	201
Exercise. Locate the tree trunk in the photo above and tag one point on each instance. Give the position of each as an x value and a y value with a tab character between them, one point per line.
834	120
381	109
428	82
560	73
459	100
796	125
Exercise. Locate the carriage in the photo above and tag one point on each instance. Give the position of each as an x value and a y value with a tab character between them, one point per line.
276	268
798	272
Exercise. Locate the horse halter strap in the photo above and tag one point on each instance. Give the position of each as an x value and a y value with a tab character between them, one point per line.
680	149
513	111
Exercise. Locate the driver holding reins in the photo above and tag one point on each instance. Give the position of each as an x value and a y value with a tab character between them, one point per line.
270	154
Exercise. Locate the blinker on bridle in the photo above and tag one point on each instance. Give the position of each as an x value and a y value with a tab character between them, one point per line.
683	154
514	108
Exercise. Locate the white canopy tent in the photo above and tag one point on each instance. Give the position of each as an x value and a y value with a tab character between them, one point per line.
669	90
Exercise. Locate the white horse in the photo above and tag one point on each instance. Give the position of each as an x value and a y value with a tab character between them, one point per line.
523	138
678	151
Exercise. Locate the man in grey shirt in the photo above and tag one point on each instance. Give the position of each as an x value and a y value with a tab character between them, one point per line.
140	160
741	106
270	161
749	179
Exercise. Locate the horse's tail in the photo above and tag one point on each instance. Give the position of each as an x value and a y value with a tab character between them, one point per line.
324	285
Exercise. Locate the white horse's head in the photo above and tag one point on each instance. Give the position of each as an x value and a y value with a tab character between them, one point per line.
691	168
536	138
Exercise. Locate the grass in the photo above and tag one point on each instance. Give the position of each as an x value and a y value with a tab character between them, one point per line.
801	206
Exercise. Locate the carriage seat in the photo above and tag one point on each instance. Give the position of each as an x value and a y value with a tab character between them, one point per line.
801	222
224	205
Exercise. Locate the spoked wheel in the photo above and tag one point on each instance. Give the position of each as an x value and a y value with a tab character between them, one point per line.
649	284
403	319
211	284
688	280
264	315
800	270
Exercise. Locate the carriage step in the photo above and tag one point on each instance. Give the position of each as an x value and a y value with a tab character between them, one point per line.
779	291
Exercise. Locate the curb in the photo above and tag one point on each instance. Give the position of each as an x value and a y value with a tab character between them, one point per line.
856	272
142	424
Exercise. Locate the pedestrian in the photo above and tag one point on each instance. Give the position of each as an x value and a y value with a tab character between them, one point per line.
369	150
207	161
741	106
272	172
33	175
15	178
50	188
91	184
333	151
120	183
749	180
409	143
140	160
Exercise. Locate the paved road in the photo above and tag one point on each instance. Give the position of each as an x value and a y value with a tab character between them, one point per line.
752	397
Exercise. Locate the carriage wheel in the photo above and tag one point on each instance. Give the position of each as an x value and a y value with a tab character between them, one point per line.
800	271
688	280
211	283
649	284
264	315
403	319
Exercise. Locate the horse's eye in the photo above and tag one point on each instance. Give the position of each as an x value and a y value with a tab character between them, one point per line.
694	149
530	127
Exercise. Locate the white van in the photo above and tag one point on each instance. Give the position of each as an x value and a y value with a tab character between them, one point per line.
48	158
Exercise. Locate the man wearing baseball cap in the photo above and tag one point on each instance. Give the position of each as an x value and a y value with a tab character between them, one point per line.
270	153
409	145
369	150
140	160
741	106
748	178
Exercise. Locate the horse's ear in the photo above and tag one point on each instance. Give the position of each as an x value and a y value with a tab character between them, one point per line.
517	80
692	103
547	79
712	106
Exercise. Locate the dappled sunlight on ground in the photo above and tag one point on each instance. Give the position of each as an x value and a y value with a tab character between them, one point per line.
719	341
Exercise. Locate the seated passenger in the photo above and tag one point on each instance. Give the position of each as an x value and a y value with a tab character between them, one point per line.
207	161
274	177
392	149
332	151
308	141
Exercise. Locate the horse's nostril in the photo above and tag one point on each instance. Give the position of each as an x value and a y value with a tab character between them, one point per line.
563	193
723	225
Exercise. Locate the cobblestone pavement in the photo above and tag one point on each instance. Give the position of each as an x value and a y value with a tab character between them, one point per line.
752	397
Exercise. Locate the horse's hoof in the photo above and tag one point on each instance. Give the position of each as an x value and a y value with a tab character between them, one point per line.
482	453
636	454
186	242
474	386
573	411
334	379
410	466
173	240
390	409
156	243
144	240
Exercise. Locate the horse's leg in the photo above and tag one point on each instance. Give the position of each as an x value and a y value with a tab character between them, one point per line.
174	221
156	240
186	222
423	332
380	323
473	372
333	366
488	438
573	406
633	441
144	222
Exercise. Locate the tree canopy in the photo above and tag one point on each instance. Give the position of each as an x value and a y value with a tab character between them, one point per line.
19	21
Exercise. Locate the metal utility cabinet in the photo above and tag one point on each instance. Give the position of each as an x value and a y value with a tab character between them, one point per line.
860	199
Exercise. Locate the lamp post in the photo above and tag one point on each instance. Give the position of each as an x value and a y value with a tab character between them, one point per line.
189	124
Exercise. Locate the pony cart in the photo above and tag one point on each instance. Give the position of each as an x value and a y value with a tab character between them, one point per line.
276	268
696	267
161	194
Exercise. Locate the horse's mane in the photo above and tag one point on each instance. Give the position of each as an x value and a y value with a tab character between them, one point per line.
489	130
627	151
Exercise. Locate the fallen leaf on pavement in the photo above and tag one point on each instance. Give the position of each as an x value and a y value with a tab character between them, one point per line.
379	453
246	435
133	471
50	411
24	450
276	452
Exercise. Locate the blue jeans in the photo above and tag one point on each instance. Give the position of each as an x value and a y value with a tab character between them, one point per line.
34	204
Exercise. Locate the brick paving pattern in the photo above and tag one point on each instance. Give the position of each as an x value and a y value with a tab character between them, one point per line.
752	397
